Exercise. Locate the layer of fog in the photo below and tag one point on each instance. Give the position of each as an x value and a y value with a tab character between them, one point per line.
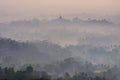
44	52
89	40
63	31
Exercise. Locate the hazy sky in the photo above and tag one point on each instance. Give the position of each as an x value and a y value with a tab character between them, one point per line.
27	9
17	9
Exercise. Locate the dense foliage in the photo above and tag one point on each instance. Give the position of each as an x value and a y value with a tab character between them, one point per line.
30	74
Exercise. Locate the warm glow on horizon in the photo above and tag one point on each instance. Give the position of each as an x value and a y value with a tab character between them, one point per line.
38	8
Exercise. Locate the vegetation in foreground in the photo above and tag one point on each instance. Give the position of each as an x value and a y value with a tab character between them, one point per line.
30	74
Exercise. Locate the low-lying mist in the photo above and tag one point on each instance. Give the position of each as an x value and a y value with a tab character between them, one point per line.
50	41
63	31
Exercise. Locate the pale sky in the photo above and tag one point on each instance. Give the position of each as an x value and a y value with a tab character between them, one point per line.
18	9
26	9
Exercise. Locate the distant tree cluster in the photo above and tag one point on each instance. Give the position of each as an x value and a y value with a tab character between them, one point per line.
28	74
11	74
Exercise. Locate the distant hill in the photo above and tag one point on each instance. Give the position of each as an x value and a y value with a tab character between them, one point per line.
14	52
44	52
60	20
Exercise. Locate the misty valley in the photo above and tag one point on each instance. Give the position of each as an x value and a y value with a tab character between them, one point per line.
60	49
51	61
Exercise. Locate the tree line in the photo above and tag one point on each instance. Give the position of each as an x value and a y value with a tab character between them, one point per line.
29	74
